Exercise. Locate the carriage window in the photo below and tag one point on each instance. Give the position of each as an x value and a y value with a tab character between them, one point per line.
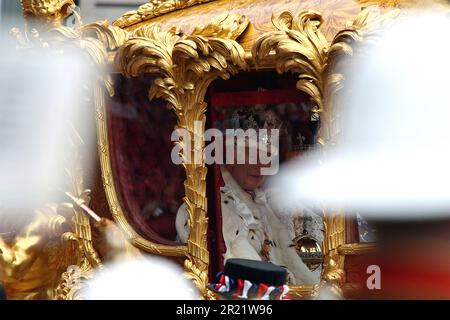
243	212
149	184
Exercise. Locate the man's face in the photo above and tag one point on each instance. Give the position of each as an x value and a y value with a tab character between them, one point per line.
247	175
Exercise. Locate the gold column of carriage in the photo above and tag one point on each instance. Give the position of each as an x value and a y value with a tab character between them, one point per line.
184	45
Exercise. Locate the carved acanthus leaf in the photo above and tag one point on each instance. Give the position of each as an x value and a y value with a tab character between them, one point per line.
152	9
47	12
227	26
184	66
180	60
110	36
301	48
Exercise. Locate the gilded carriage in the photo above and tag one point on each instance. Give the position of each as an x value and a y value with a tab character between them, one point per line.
191	56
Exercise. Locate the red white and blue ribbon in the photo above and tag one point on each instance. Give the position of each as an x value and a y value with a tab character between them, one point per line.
243	287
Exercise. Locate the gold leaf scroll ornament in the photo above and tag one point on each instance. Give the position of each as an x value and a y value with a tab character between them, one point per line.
184	66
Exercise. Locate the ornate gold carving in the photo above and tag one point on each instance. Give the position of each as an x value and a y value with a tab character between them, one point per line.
58	238
97	39
333	265
33	261
86	256
185	66
73	281
298	292
82	227
227	26
153	9
356	248
114	37
299	46
388	3
111	193
110	36
46	12
75	266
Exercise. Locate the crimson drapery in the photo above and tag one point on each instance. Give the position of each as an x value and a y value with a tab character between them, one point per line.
147	181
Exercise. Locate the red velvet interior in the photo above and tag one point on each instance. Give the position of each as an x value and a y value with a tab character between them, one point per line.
139	134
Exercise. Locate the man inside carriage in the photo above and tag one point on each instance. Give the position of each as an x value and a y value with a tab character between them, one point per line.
253	227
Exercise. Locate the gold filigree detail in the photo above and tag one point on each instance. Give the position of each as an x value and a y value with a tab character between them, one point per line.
33	261
111	192
114	37
96	40
298	46
152	9
301	48
357	248
185	65
228	26
388	3
58	238
73	281
81	235
46	12
333	266
297	292
110	36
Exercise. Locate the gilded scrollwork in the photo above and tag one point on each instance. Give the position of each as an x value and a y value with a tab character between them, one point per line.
32	262
298	46
301	48
57	239
100	41
388	3
47	12
153	8
357	248
73	257
185	65
111	192
111	37
333	264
